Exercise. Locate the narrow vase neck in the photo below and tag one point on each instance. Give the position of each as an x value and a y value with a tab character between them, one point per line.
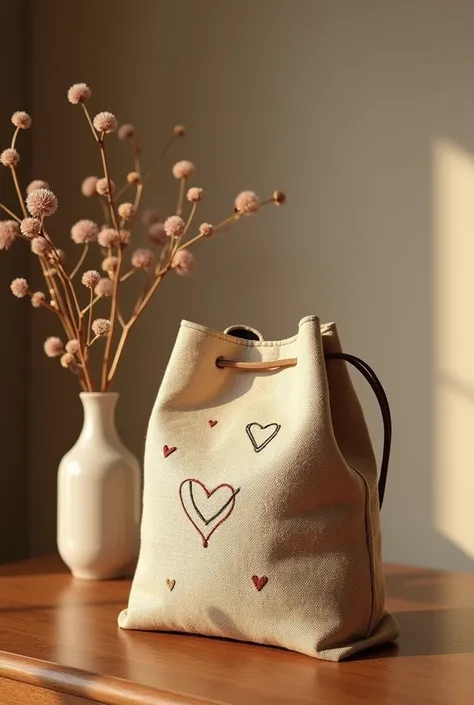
99	415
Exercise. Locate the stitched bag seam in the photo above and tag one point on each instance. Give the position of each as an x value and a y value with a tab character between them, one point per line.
246	343
370	550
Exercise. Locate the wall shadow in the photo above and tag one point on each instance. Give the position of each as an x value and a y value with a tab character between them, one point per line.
342	104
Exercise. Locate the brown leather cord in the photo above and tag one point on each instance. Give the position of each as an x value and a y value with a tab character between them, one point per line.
255	366
365	370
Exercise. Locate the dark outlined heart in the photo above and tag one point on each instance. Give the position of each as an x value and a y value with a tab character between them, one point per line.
212	423
170	583
260	439
224	511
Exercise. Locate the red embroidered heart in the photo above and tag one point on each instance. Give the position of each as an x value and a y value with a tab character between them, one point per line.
259	582
167	450
191	509
212	423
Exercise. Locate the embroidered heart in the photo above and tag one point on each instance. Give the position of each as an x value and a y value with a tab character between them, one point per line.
167	450
206	508
212	423
261	435
259	582
170	583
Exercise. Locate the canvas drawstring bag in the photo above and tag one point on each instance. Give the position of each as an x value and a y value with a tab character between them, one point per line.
261	502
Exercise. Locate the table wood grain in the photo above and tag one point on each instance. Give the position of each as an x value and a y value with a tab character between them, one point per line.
60	644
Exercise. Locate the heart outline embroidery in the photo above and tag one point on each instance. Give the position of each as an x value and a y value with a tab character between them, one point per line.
257	448
230	504
198	512
212	423
259	582
170	583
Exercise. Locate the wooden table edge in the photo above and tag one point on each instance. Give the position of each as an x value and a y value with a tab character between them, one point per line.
108	690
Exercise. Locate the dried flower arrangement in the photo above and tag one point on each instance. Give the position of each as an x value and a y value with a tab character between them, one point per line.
169	249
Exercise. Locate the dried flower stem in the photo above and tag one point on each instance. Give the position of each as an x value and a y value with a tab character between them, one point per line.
120	318
227	221
43	304
136	157
110	199
168	146
89	120
126	276
10	213
138	197
105	211
81	260
176	246
113	316
66	282
89	323
15	135
18	191
76	326
94	301
63	317
182	187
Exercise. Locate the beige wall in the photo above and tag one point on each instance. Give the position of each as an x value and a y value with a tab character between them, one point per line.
341	104
14	416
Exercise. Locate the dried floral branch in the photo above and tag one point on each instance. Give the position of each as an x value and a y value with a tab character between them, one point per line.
80	262
66	300
10	213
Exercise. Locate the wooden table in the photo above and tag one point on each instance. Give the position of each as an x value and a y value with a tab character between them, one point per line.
59	644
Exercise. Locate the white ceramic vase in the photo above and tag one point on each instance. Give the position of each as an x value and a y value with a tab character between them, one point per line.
99	497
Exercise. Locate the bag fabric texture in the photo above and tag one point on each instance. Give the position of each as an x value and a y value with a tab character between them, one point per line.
260	509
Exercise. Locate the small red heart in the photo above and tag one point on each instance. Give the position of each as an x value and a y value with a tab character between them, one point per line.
167	450
212	423
259	582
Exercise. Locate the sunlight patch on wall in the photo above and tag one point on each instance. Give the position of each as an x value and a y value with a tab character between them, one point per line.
454	344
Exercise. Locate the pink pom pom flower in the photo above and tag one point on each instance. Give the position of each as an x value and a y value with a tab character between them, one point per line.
30	227
183	169
142	258
84	231
9	157
174	226
19	287
195	194
105	122
53	346
9	230
104	287
108	237
79	93
89	186
38	299
247	203
101	326
36	184
41	203
21	120
126	132
183	262
90	278
102	186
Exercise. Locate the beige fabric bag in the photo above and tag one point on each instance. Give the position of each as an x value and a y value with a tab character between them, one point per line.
261	513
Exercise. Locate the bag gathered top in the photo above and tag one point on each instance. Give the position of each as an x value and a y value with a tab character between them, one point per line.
261	496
